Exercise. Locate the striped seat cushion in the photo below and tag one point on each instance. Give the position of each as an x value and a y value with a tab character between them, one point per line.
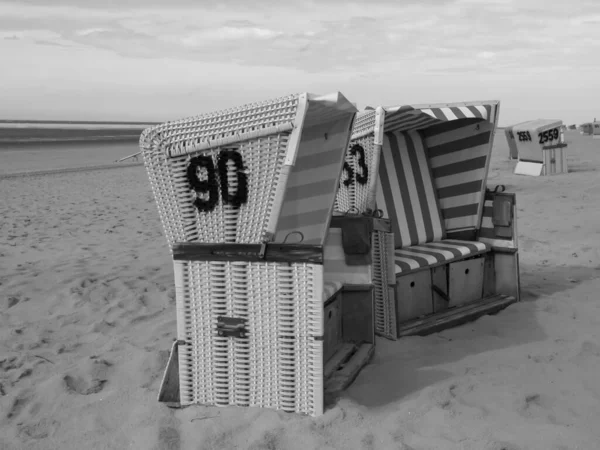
405	191
435	253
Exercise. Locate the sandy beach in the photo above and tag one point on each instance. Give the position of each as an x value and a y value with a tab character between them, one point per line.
87	317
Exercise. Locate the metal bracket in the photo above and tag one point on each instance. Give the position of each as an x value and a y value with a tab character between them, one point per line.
263	250
231	327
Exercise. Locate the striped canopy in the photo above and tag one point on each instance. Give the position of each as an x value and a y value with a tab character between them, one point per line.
406	118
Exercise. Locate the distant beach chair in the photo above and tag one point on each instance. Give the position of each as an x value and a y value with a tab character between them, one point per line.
586	128
542	148
274	296
596	130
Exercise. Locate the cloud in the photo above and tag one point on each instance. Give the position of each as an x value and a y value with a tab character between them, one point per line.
365	47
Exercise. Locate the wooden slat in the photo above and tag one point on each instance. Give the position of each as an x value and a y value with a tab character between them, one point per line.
169	388
292	253
341	356
455	316
341	379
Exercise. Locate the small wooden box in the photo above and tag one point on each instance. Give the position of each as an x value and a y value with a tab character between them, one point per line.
413	296
465	281
332	338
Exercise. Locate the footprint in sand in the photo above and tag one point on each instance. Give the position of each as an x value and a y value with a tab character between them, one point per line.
11	301
39	430
20	401
89	377
153	367
268	440
537	406
169	437
588	353
501	445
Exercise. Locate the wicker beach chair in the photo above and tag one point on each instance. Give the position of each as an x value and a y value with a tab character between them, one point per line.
268	307
430	181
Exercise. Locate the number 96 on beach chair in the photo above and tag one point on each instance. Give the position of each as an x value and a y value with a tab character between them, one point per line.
274	296
451	254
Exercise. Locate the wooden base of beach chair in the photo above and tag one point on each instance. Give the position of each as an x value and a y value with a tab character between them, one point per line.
343	368
453	317
169	387
349	336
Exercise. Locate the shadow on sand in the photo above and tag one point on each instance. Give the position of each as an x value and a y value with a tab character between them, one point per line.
404	367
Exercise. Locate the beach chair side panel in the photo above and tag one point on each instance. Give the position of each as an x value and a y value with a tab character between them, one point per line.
313	181
499	231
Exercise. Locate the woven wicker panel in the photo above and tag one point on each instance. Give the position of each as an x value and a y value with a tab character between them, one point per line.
177	137
354	194
383	279
280	364
363	124
260	133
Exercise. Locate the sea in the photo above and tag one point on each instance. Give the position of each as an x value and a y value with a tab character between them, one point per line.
32	147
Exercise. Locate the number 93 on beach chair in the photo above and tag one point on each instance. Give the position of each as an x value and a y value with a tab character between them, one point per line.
451	254
274	295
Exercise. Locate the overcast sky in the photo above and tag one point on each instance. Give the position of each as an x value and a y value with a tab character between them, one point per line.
160	60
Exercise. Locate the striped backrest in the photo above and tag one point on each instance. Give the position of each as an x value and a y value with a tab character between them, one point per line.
459	154
405	192
313	181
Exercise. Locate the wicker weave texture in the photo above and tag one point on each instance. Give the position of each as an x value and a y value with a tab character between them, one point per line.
383	282
177	137
364	124
353	195
183	222
263	152
279	364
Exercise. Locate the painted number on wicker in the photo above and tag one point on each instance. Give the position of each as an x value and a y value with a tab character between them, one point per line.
361	178
207	189
548	135
524	136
